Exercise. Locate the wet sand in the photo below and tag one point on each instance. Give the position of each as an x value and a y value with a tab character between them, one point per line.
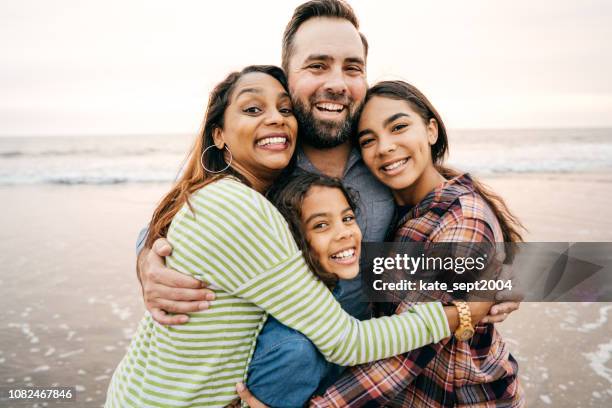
71	300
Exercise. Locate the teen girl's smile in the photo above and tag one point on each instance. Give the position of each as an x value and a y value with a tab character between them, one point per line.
332	231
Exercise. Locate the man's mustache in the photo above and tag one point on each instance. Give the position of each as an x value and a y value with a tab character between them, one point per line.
331	97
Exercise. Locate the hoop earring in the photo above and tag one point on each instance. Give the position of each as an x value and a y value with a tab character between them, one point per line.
217	171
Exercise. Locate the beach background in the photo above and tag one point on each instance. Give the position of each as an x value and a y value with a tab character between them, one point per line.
100	101
73	206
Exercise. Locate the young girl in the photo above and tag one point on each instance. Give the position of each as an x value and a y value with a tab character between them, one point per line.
320	212
403	142
224	231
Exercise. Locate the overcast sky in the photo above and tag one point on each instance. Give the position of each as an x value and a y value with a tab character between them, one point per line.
126	66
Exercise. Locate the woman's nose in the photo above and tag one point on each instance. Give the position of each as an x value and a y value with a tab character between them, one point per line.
274	117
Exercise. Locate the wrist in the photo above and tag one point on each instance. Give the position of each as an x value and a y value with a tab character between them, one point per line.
465	329
452	316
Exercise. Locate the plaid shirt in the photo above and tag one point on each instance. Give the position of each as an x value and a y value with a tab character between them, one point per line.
477	373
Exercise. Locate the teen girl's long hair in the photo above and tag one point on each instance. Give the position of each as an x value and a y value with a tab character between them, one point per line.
399	90
194	177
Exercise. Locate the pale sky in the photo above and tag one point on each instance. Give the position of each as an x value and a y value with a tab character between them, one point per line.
124	66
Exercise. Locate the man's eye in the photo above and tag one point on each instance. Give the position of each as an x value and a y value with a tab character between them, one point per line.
252	109
399	127
354	68
316	67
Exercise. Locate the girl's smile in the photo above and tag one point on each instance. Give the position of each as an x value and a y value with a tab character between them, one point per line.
331	231
395	144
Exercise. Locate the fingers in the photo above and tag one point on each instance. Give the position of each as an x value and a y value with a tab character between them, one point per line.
175	300
162	317
494	319
169	294
500	312
158	273
247	397
155	271
180	280
181	307
156	291
162	247
504	307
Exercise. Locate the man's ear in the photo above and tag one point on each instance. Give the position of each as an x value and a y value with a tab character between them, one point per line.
432	131
218	138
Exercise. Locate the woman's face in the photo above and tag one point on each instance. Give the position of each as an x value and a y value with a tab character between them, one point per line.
395	142
259	127
332	231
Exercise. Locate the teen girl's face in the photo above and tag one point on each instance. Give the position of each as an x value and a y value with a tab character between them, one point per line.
332	231
259	127
395	142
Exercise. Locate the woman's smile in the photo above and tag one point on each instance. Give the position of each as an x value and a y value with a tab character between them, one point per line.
273	142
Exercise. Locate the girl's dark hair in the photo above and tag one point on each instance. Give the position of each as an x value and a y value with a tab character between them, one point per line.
194	177
289	198
399	90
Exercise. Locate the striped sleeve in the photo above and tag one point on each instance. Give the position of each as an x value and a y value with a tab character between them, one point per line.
237	240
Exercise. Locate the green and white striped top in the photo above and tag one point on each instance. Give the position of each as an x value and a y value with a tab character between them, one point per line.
239	243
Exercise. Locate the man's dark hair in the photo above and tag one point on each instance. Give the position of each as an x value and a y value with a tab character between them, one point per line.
317	8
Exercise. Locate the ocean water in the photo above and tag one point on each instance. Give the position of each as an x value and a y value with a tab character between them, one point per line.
158	158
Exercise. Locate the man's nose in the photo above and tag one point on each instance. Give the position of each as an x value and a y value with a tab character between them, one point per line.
336	83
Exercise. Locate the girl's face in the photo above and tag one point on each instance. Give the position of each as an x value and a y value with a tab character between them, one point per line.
395	142
259	127
332	231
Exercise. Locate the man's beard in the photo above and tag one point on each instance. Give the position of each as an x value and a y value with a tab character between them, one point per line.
323	134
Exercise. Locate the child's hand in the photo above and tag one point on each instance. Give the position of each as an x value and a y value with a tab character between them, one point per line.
246	396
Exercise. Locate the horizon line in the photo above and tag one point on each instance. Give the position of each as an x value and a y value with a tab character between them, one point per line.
179	133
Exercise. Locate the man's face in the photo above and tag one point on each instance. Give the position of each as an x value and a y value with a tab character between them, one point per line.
327	80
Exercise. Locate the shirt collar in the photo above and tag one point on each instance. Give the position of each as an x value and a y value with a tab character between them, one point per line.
305	164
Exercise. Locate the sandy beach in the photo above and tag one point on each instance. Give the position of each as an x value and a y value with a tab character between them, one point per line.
71	300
